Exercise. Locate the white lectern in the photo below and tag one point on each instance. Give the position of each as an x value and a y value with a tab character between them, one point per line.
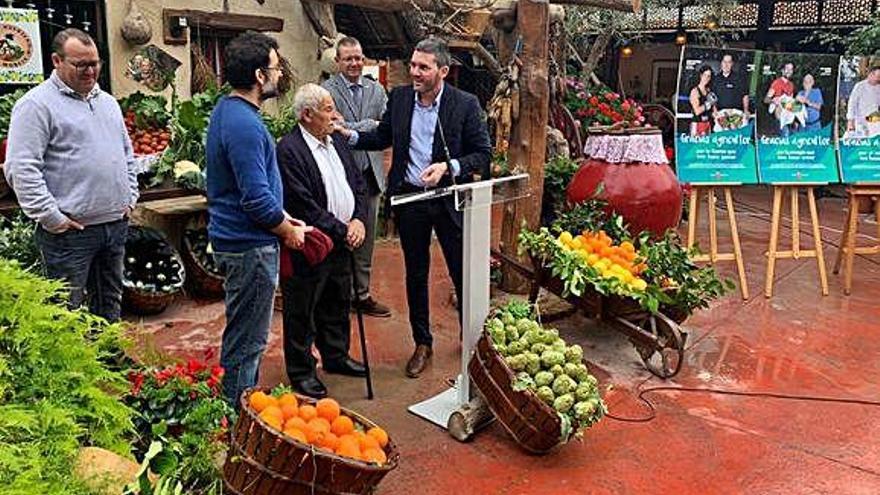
475	200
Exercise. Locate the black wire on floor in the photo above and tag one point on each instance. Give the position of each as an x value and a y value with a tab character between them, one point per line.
763	395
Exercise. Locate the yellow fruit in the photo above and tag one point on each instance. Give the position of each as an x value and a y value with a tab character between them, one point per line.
565	238
639	284
577	242
628	277
593	259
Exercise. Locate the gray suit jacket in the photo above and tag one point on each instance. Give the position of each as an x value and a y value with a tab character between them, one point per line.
362	119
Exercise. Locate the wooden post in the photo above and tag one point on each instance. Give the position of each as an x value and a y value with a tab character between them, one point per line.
796	252
714	256
529	135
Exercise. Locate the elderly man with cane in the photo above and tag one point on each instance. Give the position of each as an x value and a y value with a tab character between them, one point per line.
324	187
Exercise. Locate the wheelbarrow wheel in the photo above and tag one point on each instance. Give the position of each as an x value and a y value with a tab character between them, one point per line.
666	357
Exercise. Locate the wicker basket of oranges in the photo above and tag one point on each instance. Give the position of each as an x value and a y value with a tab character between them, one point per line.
290	444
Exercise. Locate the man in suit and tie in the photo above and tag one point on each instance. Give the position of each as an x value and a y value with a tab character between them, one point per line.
439	137
361	101
323	184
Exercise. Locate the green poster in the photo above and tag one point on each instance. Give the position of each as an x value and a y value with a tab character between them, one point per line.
715	117
859	119
803	157
795	118
721	157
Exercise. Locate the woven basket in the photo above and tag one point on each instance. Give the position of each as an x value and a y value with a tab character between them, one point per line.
265	462
144	303
202	281
534	425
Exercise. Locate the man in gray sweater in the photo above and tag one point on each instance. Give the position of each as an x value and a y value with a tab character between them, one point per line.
71	165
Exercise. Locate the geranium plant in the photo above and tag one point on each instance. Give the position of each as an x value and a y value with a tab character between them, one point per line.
182	407
599	105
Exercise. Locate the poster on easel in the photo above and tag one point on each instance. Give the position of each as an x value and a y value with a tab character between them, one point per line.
795	118
21	59
714	134
858	120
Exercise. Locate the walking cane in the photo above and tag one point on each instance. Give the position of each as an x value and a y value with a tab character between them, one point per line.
360	319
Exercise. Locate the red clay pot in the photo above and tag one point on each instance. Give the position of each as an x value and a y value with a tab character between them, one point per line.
647	195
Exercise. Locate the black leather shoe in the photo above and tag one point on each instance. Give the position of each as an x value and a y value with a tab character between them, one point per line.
311	387
346	366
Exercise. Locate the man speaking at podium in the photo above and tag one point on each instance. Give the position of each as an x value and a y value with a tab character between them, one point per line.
439	138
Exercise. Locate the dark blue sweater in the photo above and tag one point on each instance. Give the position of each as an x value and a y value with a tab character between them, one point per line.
244	184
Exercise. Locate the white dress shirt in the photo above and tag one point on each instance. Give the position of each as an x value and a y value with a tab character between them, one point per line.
340	197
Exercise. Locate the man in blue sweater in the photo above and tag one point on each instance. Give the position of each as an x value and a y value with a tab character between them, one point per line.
247	219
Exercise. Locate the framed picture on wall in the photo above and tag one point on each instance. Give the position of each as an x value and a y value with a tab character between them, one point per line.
664	80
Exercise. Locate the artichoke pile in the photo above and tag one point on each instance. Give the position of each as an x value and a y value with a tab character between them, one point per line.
545	365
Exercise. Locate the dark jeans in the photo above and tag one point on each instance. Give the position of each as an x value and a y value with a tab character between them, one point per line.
250	282
316	306
90	261
415	222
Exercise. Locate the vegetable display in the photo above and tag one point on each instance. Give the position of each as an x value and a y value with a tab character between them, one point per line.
146	119
654	272
201	250
151	266
548	367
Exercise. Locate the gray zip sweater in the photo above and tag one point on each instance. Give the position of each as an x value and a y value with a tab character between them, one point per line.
70	157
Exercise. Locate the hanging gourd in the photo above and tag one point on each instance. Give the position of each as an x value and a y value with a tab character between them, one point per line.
136	29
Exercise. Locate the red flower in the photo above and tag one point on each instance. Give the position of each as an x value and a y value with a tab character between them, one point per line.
611	96
594	101
195	366
137	381
218	371
625	106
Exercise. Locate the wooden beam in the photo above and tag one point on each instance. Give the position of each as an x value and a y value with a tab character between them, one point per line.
528	139
216	20
398	5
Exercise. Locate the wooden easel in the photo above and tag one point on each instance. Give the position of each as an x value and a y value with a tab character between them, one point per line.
850	229
796	252
714	256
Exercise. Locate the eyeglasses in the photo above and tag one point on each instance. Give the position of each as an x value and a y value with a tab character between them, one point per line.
82	67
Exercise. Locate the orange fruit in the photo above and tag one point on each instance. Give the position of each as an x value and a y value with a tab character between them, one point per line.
296	434
627	247
342	425
348	440
328	409
375	455
308	412
368	442
271	420
379	434
348	450
272	411
329	441
320	425
311	435
289	411
288	399
259	401
295	422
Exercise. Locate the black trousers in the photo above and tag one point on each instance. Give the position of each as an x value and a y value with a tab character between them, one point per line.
415	223
317	301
